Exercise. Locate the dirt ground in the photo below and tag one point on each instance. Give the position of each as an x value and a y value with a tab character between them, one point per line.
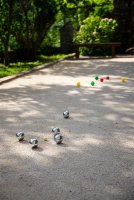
96	159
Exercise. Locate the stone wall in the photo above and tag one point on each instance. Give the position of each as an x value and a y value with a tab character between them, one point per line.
124	14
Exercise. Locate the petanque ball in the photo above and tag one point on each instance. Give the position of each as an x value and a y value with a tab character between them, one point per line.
20	136
55	130
58	138
34	143
66	114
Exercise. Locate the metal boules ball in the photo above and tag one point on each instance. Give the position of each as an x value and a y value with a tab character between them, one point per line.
66	114
20	136
55	130
58	138
34	143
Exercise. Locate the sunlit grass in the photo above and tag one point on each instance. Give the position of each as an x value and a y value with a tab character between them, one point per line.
17	68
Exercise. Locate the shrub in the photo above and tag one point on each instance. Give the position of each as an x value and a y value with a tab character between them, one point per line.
96	29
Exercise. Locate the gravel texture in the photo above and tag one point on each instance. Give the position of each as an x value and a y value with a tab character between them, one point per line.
96	159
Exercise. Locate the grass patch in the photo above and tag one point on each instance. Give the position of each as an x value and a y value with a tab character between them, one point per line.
17	68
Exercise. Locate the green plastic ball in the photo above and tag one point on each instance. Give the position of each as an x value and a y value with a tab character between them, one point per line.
96	77
92	83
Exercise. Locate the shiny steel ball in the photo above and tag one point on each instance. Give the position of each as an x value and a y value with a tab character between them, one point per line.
58	138
55	130
34	143
66	114
20	136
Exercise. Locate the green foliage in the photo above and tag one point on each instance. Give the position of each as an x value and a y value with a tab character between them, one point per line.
25	25
5	7
13	44
96	29
43	58
53	35
52	38
103	8
87	32
6	19
32	21
16	68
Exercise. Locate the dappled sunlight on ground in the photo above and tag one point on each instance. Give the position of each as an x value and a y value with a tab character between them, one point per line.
96	159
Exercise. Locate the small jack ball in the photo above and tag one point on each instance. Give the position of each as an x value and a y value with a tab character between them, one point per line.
92	83
107	77
96	77
123	79
78	84
101	79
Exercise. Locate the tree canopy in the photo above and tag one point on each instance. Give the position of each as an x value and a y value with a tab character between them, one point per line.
26	25
27	21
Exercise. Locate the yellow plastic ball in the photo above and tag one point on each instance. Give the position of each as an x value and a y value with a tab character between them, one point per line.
123	79
78	84
45	139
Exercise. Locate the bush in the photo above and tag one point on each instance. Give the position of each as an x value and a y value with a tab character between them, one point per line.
96	29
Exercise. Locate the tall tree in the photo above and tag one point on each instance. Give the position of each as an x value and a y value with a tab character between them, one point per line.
6	18
32	21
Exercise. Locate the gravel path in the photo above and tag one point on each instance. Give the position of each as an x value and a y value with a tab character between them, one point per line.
96	159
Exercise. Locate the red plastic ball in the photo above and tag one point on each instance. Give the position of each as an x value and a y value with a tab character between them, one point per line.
101	79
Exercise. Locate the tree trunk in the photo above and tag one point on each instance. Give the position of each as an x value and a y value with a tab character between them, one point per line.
7	36
124	14
6	55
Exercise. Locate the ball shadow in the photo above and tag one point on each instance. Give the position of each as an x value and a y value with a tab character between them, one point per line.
39	149
62	145
23	142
